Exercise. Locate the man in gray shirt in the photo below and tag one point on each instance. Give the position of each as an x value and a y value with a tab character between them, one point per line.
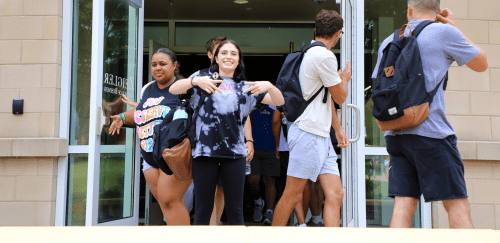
425	159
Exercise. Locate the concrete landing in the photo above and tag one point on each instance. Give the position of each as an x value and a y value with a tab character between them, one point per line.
236	234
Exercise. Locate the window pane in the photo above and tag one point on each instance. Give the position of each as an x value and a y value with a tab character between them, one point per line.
120	74
77	189
379	205
80	81
120	63
379	24
115	188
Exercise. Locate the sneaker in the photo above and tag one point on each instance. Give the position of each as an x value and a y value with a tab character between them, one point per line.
311	224
268	218
257	210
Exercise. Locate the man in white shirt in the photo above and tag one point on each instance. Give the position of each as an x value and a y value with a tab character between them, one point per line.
312	155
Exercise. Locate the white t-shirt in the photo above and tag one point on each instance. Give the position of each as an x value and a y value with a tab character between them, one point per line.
318	68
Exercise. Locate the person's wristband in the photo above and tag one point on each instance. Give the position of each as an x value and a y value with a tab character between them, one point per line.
249	141
123	117
192	82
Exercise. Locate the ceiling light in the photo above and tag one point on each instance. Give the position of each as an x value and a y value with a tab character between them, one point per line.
240	1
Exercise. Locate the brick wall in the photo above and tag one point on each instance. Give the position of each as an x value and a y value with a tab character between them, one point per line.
27	195
473	108
30	66
30	69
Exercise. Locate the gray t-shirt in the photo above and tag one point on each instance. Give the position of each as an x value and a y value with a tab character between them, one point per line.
440	45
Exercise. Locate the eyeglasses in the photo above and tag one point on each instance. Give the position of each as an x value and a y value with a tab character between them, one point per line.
341	33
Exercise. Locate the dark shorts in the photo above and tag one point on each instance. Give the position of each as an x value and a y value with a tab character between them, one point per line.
265	163
284	155
421	165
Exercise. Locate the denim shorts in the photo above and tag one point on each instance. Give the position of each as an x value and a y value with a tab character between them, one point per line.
421	165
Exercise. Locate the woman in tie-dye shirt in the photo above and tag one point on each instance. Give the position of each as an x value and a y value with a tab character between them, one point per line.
219	146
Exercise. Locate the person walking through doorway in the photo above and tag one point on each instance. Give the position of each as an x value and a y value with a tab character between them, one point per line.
211	46
165	187
318	70
424	159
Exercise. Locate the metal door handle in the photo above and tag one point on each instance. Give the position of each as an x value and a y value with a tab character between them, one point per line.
358	123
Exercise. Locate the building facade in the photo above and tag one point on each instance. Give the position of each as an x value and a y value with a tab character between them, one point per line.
48	154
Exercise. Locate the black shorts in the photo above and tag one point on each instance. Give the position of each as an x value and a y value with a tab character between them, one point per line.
284	155
421	165
265	163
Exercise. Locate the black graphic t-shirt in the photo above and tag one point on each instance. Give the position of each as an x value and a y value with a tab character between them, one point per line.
219	126
155	104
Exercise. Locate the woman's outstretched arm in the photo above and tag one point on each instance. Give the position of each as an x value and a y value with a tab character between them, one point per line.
204	83
274	95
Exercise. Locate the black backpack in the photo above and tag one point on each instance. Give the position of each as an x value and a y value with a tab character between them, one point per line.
289	85
400	99
204	72
176	126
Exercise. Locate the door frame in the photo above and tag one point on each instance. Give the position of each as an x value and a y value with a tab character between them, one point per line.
93	149
363	151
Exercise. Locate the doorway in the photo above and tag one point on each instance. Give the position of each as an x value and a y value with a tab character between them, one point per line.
265	39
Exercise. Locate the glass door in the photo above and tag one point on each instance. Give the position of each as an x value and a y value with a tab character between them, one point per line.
350	116
113	169
374	162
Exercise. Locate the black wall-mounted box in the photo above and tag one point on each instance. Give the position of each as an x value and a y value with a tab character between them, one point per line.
17	106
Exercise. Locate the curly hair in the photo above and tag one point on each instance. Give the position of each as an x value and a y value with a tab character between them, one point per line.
214	41
328	22
239	73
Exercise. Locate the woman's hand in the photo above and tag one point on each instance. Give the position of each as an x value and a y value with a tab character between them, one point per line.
207	84
342	139
116	124
129	102
250	151
258	87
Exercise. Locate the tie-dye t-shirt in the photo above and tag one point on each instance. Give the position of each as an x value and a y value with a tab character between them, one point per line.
219	126
155	104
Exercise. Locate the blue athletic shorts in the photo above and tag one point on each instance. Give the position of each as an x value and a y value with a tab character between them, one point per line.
421	165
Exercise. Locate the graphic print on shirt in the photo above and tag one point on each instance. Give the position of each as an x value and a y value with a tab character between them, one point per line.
147	119
219	126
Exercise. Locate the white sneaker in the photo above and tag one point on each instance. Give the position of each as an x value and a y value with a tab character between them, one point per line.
257	210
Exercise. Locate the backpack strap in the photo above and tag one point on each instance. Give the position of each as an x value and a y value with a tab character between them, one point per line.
434	91
399	32
204	72
302	46
316	43
146	87
420	27
316	94
325	97
396	34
